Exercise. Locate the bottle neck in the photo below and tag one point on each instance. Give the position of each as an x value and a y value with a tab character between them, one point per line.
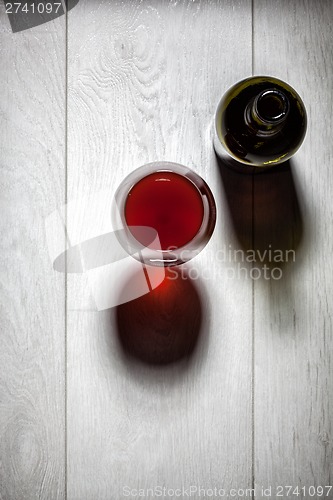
267	112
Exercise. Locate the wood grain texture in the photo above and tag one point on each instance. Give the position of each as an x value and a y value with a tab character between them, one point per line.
32	181
293	315
144	82
147	405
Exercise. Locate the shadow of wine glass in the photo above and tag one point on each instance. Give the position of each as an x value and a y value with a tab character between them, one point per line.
162	327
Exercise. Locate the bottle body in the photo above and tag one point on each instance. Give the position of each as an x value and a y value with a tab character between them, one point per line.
260	121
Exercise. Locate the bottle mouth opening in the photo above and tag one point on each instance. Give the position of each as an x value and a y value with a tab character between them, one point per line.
272	106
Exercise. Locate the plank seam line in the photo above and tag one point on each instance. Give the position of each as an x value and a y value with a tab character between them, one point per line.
253	291
66	277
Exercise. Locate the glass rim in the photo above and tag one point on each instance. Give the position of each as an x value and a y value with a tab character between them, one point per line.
170	256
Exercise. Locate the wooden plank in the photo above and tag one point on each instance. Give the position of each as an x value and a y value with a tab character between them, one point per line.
32	183
293	315
144	82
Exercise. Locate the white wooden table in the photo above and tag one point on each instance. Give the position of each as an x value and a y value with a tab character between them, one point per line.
85	99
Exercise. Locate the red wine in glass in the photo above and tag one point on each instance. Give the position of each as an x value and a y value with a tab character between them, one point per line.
169	203
175	203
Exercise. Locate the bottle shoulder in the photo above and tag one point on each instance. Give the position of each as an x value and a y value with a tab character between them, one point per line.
252	140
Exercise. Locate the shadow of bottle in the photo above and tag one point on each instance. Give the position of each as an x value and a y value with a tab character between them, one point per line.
264	210
162	327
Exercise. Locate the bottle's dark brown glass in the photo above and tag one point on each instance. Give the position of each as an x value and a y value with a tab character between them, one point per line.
260	121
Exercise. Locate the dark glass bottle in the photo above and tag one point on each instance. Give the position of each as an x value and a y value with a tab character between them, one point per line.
260	121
